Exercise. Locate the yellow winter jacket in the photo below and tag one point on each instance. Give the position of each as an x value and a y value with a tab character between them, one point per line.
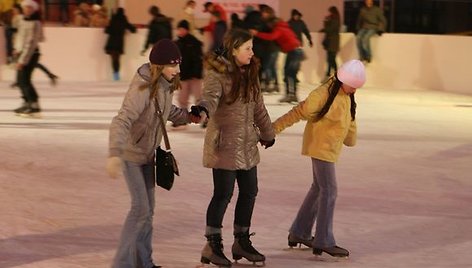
324	138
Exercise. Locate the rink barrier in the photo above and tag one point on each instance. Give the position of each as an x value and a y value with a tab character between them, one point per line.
400	61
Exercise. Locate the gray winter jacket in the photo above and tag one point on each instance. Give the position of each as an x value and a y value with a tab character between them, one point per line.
233	129
135	132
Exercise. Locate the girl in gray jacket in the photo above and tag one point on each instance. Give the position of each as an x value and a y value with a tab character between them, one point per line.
134	134
238	120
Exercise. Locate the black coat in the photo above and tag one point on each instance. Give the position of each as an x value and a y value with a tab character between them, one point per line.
116	32
159	28
192	57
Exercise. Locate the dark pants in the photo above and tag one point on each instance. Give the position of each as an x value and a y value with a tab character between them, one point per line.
331	58
115	61
24	79
291	68
223	181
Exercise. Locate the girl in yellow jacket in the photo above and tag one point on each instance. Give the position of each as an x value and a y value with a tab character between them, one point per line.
330	112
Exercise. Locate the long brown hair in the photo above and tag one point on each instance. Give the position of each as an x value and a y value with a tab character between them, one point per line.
156	73
245	79
333	89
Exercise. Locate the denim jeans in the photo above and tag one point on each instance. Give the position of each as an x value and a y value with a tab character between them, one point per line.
291	68
135	247
269	67
223	181
363	43
318	205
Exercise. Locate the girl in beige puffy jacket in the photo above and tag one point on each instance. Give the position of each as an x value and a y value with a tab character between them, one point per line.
238	120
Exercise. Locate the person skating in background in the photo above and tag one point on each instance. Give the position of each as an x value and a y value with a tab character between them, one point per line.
15	24
115	42
189	15
265	50
370	21
218	32
192	65
27	48
210	8
330	112
284	36
299	27
331	26
238	120
134	135
160	27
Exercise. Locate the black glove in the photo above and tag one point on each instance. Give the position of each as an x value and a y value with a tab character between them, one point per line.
196	110
267	144
380	33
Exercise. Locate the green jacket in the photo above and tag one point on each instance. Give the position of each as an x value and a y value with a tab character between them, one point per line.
371	18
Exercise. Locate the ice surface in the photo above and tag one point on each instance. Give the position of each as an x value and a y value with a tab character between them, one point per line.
404	197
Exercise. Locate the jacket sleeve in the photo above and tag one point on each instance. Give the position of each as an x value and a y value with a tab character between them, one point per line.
178	116
269	36
307	32
133	105
262	120
212	92
351	138
305	110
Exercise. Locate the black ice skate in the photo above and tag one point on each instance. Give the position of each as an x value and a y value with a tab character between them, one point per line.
31	110
213	252
294	241
242	248
290	98
335	251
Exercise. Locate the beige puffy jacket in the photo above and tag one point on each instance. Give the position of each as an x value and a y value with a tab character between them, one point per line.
234	130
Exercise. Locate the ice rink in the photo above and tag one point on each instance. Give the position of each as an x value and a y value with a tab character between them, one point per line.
404	192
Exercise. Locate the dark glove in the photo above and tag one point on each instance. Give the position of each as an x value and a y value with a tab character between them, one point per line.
196	110
380	33
267	144
201	30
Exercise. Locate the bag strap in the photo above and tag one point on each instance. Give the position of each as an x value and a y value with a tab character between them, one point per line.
163	125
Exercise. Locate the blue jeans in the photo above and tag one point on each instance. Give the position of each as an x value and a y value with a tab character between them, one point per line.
135	247
363	43
318	205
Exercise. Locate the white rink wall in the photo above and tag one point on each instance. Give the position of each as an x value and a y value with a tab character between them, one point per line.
400	61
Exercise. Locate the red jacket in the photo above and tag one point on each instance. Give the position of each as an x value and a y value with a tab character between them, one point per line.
211	26
283	35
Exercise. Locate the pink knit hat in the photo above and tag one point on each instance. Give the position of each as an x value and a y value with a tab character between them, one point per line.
352	73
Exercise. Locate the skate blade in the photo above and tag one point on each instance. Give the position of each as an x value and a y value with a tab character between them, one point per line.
32	115
203	265
249	263
325	257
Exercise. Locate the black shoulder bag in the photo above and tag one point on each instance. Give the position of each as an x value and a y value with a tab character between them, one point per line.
165	164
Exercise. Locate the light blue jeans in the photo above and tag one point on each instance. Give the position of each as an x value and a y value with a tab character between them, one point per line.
363	43
135	247
318	205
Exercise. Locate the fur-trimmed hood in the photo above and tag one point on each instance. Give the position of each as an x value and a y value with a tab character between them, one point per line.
218	62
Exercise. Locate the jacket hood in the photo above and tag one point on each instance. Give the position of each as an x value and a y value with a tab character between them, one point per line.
218	62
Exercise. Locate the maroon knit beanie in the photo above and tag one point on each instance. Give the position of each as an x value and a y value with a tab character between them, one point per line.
165	52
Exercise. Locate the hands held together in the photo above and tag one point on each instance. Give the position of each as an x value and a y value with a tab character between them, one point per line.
198	114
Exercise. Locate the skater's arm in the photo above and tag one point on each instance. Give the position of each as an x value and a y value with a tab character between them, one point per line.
262	120
212	92
178	116
305	110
